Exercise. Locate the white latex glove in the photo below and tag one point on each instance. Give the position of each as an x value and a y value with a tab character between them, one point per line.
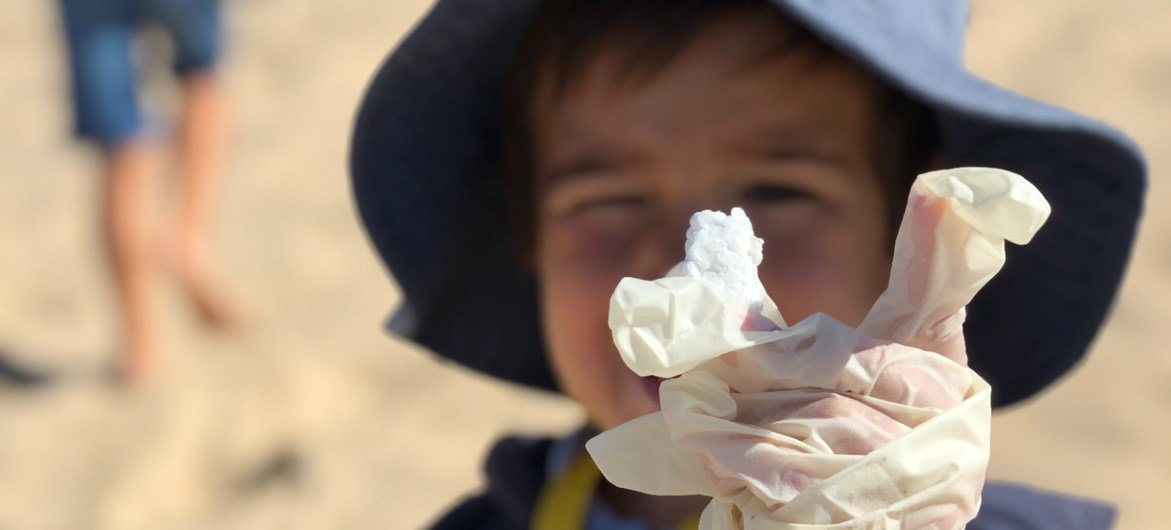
822	425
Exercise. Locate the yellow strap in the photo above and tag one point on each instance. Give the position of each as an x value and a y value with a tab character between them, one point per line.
564	502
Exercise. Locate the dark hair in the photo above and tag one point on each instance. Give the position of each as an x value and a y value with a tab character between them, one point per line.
567	34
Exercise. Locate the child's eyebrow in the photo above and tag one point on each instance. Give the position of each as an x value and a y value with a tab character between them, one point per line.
788	143
588	161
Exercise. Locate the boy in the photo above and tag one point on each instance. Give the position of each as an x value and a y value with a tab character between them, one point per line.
508	226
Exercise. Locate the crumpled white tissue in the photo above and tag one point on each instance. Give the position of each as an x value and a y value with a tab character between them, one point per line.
821	425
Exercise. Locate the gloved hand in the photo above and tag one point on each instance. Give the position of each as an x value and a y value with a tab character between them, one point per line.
821	425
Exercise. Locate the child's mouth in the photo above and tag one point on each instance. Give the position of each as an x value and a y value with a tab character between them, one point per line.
650	384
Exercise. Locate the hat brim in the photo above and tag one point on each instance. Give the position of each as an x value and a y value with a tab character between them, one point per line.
424	158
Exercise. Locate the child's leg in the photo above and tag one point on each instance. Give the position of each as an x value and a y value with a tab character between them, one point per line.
195	27
99	36
128	245
200	149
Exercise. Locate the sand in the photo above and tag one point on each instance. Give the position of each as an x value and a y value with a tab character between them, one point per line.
313	418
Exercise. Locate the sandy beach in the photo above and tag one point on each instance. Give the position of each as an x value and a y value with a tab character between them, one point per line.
312	418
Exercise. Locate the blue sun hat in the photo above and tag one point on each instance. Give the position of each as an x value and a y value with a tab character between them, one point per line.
424	153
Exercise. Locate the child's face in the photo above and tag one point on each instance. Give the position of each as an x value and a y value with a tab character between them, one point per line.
620	168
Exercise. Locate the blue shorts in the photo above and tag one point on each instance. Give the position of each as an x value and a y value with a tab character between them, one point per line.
100	35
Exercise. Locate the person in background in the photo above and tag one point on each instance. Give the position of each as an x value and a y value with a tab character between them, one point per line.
101	40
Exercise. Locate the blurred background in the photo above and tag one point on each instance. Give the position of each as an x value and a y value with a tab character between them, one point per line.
312	418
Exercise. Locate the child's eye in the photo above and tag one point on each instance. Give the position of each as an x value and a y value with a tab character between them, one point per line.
611	202
772	193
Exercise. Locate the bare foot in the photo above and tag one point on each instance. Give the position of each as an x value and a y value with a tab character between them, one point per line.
213	305
138	363
215	308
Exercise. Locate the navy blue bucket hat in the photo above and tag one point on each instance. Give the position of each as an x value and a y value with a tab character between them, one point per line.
425	154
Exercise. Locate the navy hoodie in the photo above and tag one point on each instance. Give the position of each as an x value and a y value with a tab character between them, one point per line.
515	472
